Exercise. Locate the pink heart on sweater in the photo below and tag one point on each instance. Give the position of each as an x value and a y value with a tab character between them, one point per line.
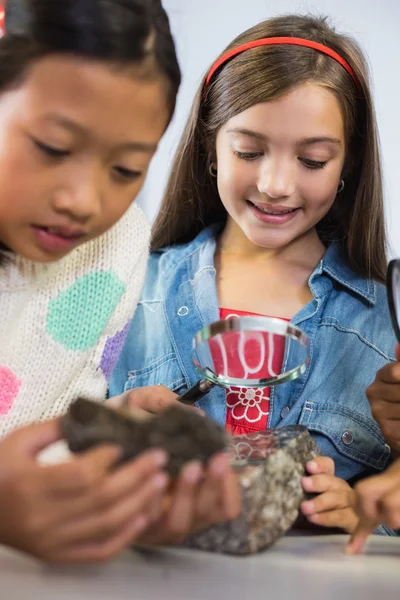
9	387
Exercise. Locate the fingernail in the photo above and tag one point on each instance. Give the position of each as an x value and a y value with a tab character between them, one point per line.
312	465
139	524
308	506
220	465
313	518
349	550
116	452
160	481
159	457
199	411
192	473
307	483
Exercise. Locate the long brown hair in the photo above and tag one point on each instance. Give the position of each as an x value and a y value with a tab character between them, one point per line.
356	219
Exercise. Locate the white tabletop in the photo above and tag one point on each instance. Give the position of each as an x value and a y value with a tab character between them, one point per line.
298	567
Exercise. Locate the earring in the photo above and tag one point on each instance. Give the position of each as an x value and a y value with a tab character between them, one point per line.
213	169
341	186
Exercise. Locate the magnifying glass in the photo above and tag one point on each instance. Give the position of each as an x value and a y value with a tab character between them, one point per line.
393	292
247	352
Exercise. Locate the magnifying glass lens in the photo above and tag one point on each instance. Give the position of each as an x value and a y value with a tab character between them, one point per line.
250	352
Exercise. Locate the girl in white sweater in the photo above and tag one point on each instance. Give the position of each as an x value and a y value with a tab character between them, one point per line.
86	91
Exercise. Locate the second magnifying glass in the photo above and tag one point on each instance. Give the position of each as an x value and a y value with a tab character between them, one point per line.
248	352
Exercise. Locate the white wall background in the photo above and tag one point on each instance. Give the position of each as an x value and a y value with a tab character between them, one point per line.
202	28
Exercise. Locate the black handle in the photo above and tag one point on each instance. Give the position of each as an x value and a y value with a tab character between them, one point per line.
200	389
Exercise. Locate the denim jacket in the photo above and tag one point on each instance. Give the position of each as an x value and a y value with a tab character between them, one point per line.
347	323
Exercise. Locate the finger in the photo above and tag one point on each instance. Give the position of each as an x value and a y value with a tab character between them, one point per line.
397	352
386	410
359	537
104	524
180	518
112	488
322	483
117	401
370	492
210	504
380	391
391	433
388	374
81	473
328	501
230	494
153	399
321	464
129	478
390	508
32	439
342	518
99	552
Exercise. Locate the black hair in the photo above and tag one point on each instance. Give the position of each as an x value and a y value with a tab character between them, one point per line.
119	31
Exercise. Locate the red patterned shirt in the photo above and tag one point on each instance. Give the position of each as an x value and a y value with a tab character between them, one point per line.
248	408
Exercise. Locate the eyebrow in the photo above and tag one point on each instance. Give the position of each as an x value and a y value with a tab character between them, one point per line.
76	127
302	142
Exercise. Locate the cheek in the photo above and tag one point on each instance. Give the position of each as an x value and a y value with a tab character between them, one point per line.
319	190
115	206
233	180
15	194
20	179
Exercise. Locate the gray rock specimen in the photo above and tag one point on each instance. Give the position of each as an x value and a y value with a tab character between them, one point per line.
269	465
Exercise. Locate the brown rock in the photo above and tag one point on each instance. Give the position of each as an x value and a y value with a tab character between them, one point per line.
183	433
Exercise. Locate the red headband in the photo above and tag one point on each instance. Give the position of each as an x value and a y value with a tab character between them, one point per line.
293	41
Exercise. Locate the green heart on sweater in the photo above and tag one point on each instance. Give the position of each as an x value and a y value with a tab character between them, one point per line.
78	315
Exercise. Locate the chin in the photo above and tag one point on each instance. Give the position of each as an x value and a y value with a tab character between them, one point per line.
269	242
39	256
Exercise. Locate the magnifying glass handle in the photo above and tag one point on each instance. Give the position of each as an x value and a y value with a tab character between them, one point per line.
200	389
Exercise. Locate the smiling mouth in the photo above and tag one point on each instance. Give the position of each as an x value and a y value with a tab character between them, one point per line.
63	233
270	211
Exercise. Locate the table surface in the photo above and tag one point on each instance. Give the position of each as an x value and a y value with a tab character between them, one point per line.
299	567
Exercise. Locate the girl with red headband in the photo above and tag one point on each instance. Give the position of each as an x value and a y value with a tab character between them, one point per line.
274	207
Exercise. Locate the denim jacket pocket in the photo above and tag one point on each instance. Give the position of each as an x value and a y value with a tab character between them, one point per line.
164	370
356	439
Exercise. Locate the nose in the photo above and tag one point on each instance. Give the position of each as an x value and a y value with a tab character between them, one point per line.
276	179
78	195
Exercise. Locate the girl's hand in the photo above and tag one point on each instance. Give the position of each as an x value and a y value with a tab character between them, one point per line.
333	507
377	501
149	400
384	397
201	497
80	511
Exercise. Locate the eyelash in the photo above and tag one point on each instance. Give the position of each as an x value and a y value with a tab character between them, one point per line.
50	151
307	162
247	155
313	164
124	174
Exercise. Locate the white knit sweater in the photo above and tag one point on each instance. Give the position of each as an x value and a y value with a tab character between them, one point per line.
62	324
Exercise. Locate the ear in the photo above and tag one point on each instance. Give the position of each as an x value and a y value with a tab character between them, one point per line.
211	159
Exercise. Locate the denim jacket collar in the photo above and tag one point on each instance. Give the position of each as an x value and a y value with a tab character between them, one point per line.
332	267
337	268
